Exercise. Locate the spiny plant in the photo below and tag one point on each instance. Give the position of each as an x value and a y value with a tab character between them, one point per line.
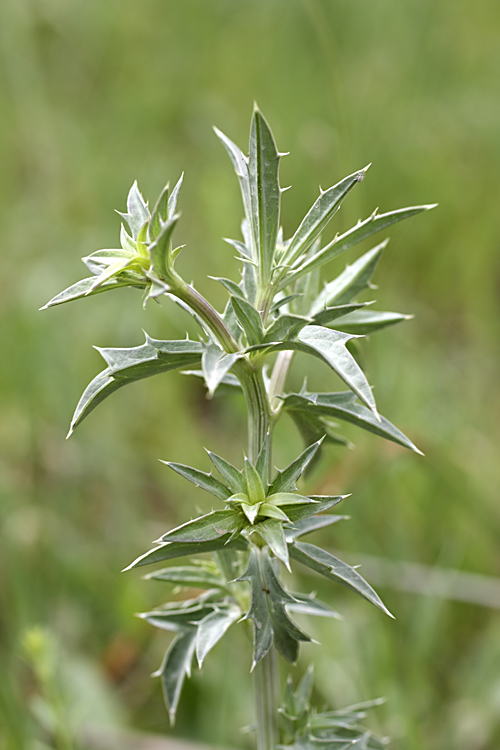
276	309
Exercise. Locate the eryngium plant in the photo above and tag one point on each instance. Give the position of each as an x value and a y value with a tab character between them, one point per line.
276	309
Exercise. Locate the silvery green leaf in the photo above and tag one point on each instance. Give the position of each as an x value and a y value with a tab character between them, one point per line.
195	576
272	533
255	487
185	615
263	165
240	247
287	498
216	363
272	511
240	164
212	628
230	474
229	381
137	211
309	605
331	567
159	249
101	260
320	503
329	314
206	528
174	197
319	215
312	428
200	479
369	321
285	327
85	288
250	511
112	271
303	693
362	230
286	480
230	320
159	215
307	525
173	550
175	667
343	406
330	346
351	282
231	286
136	363
249	320
283	301
267	610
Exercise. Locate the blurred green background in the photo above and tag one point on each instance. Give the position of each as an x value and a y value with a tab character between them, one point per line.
95	94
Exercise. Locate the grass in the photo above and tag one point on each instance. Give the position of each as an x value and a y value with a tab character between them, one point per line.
97	94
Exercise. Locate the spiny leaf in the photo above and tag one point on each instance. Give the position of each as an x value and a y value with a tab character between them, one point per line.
196	576
307	525
128	365
159	215
212	628
307	604
200	479
174	197
206	528
137	211
361	231
100	260
255	486
272	533
263	164
84	288
249	320
320	503
351	282
159	250
173	550
216	364
319	216
231	286
369	321
175	667
285	327
286	480
230	474
343	406
331	567
329	314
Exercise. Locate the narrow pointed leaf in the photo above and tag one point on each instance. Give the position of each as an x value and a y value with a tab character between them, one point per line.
200	479
272	511
249	320
255	487
128	365
283	301
298	512
174	197
206	528
263	164
320	214
230	474
368	321
159	250
216	364
173	550
231	286
307	525
137	211
343	406
195	576
355	278
286	480
176	666
329	314
100	260
330	346
361	231
309	605
272	533
212	628
159	215
285	327
250	511
313	427
259	610
287	498
84	288
331	567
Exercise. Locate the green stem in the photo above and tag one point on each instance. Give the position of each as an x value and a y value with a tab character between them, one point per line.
257	401
267	692
278	379
207	313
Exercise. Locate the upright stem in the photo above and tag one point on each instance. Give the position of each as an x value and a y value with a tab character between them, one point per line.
267	694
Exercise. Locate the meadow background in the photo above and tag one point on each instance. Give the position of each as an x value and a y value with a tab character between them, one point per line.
95	94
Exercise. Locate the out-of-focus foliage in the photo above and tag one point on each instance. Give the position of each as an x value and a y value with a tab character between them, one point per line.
95	94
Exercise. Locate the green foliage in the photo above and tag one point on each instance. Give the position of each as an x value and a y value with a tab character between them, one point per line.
276	309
